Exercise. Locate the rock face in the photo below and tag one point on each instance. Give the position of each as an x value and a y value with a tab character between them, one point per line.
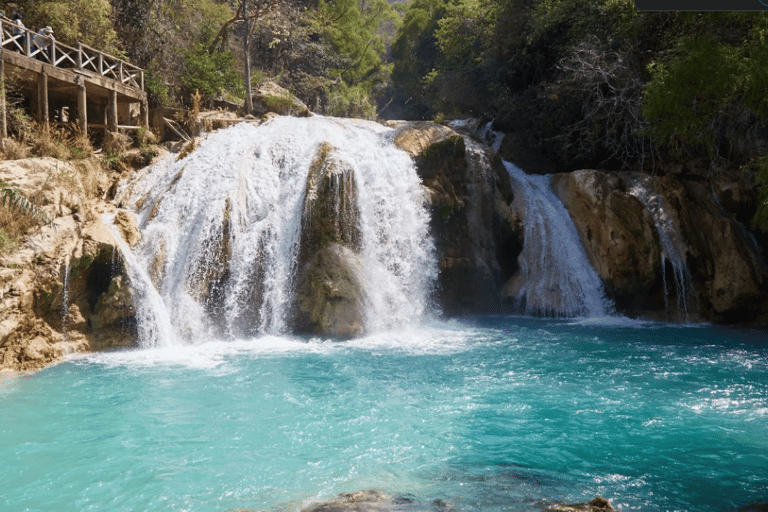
728	274
469	193
329	297
65	289
619	237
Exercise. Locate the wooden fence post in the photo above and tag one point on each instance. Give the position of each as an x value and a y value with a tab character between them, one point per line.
112	111
42	104
82	106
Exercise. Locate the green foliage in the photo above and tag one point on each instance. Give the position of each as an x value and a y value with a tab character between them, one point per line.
683	98
695	97
465	30
582	18
761	215
13	198
415	49
209	73
352	27
73	21
351	101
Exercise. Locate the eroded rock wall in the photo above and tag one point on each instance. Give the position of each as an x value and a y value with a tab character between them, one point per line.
476	235
65	289
727	270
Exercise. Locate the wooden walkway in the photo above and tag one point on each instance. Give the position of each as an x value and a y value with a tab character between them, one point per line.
60	79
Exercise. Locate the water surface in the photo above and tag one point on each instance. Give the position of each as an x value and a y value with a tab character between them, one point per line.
486	413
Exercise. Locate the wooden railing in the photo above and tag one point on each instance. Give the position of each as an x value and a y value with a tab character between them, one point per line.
83	58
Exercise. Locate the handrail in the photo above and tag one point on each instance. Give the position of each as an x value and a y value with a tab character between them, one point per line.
82	58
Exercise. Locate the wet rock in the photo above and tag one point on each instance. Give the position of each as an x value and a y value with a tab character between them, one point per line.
728	277
50	286
374	501
598	504
468	192
330	297
330	213
126	224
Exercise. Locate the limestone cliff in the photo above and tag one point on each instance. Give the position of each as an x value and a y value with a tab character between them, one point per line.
64	290
728	273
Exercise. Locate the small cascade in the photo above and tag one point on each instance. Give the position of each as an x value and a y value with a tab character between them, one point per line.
672	245
222	229
65	300
555	276
154	322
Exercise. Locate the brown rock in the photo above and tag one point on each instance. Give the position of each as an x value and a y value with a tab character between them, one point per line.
468	192
618	234
128	227
330	295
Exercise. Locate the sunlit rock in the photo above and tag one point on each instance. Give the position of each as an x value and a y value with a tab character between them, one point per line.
618	235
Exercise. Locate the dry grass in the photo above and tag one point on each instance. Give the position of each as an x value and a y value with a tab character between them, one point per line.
12	149
13	229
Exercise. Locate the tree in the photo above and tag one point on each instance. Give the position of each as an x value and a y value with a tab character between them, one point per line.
86	21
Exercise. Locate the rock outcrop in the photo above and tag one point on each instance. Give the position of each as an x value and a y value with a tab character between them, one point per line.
619	237
469	193
373	500
329	295
270	97
728	274
598	504
65	289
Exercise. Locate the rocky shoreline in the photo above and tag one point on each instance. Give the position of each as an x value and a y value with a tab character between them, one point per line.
372	500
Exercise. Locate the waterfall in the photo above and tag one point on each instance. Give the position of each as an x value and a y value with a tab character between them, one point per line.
555	276
65	300
671	241
221	229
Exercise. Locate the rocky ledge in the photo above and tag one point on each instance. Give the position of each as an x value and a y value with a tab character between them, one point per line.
64	290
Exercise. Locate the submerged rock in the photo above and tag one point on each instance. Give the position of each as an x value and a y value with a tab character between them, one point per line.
374	501
599	504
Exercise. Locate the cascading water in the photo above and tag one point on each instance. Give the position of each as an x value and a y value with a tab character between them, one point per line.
65	300
555	276
221	229
671	241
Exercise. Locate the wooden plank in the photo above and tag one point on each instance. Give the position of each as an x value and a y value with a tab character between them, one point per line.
176	129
